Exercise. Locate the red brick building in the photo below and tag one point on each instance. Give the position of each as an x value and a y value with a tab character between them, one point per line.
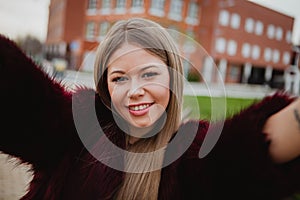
247	42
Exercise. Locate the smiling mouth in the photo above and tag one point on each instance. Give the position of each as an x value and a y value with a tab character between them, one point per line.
140	107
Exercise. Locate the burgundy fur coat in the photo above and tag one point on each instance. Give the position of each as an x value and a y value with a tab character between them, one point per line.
37	126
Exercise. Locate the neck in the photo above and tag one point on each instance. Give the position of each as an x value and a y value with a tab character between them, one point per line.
135	133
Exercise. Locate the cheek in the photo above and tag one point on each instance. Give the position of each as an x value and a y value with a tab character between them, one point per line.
161	94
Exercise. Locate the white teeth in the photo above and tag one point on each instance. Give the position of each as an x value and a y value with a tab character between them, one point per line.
140	107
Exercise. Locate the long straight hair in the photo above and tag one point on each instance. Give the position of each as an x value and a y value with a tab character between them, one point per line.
154	39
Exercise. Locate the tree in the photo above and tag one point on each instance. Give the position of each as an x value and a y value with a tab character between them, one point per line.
30	45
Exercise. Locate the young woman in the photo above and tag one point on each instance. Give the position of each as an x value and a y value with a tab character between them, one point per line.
126	139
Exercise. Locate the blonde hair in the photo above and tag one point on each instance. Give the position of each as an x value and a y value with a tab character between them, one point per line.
156	40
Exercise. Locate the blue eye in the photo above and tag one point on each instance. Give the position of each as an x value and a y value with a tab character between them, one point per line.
119	79
149	74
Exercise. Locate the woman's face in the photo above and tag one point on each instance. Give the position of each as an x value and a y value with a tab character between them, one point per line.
138	83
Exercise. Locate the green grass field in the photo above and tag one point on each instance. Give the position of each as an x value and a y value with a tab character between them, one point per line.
213	108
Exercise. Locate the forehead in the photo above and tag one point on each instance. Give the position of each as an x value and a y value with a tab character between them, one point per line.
132	55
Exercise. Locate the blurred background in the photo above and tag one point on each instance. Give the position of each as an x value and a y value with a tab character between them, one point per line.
240	49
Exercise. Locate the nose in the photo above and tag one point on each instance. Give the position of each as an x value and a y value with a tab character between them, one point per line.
136	90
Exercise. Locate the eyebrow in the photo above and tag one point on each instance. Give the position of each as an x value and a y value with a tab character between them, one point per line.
140	70
117	72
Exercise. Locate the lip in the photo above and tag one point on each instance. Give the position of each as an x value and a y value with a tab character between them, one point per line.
139	109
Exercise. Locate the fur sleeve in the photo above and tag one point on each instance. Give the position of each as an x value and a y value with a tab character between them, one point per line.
36	117
239	166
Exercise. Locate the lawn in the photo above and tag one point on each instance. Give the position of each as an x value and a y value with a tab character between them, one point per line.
213	108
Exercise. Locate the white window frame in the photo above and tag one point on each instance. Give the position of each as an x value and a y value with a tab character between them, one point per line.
137	6
92	7
105	7
276	56
90	30
288	36
268	54
279	33
271	31
235	21
103	29
220	45
286	58
175	12
193	13
246	50
120	7
259	28
157	8
249	25
224	18
231	47
255	54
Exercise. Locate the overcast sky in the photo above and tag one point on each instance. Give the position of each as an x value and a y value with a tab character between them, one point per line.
19	18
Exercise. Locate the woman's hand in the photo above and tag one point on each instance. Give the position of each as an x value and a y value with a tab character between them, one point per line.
283	131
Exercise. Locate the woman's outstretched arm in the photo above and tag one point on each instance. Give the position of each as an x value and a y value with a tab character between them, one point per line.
244	164
35	111
282	130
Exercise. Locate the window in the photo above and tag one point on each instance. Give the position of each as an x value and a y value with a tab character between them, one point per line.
276	56
105	7
92	4
90	30
288	36
193	13
92	7
224	18
235	21
259	28
175	10
103	29
220	45
249	25
255	52
268	54
279	33
246	49
157	8
120	6
137	6
271	31
106	4
234	72
286	58
231	48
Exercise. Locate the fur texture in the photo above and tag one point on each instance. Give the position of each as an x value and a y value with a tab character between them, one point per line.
37	112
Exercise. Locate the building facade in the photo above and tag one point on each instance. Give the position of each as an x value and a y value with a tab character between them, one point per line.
65	25
235	41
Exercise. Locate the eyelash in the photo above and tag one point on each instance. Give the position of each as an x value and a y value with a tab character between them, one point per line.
146	75
118	79
149	74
